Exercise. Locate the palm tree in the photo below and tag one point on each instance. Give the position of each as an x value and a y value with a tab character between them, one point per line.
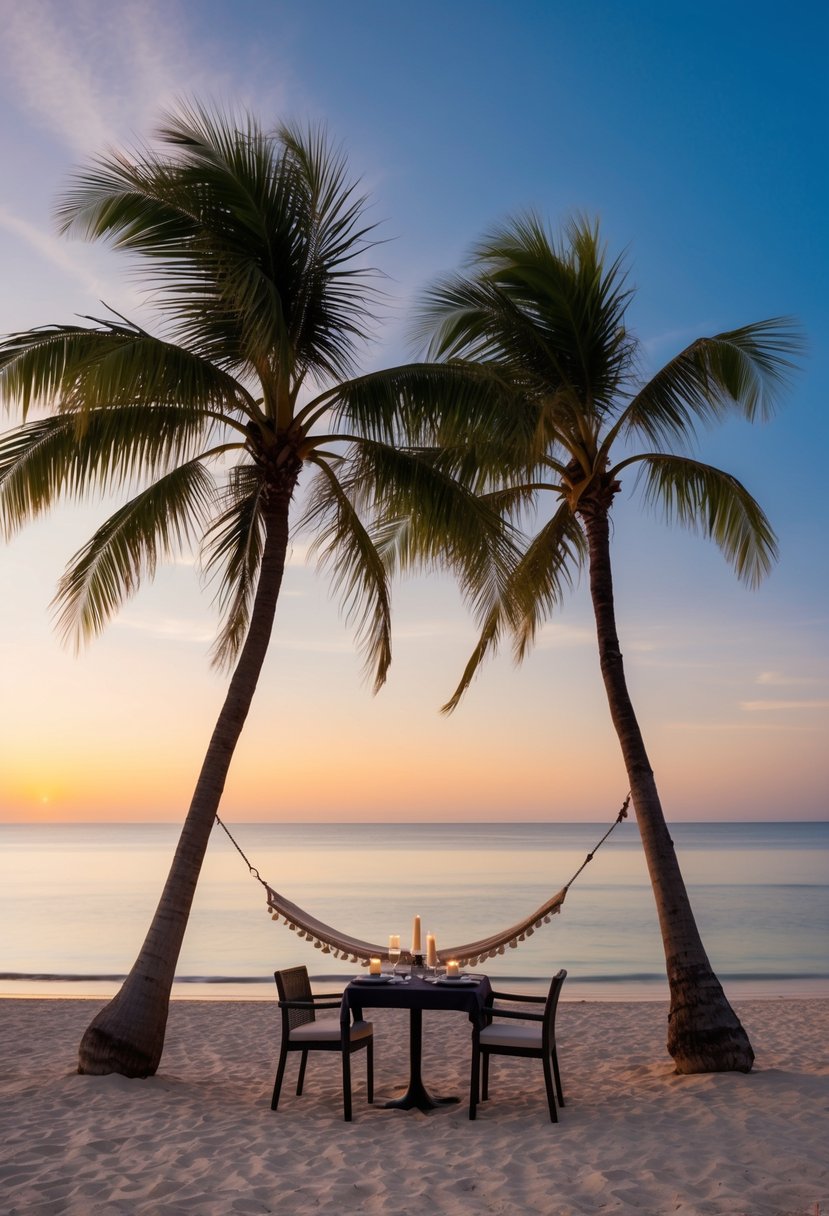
550	318
255	244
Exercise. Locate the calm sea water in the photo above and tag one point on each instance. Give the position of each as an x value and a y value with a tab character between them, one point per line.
76	900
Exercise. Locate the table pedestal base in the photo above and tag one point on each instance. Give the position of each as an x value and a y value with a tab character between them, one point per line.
417	1095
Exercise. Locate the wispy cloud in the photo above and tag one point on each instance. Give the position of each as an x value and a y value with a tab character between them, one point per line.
654	663
555	635
91	74
175	629
53	250
761	706
313	645
94	75
53	78
736	727
673	339
778	679
435	628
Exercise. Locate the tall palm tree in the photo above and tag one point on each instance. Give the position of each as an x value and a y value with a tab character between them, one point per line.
255	244
550	318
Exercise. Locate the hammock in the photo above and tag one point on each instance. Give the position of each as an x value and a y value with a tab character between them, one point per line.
331	941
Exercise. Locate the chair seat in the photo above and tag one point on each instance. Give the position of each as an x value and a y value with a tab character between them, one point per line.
328	1030
511	1036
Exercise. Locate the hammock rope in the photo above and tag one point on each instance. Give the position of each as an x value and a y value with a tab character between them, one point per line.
351	949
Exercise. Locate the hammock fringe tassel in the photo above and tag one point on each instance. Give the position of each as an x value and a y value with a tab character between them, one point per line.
353	950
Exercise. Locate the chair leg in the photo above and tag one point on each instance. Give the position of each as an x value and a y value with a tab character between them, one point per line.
300	1081
346	1084
475	1078
548	1082
280	1073
557	1075
370	1070
485	1081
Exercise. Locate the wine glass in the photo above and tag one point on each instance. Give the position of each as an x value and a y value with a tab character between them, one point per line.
394	951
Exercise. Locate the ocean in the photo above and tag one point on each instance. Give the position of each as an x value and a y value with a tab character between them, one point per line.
75	902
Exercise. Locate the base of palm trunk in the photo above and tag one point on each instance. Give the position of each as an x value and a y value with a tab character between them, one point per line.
704	1032
127	1036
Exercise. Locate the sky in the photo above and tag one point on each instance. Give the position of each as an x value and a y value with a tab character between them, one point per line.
696	133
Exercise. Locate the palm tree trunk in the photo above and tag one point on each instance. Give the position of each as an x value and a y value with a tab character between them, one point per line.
704	1033
127	1036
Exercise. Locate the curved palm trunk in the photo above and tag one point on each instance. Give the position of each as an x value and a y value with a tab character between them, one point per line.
704	1033
127	1036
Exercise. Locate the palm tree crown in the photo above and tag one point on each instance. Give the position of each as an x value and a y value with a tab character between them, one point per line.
548	318
254	245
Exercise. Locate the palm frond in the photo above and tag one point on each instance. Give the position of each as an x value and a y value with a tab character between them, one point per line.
106	449
335	305
232	553
251	238
345	546
36	462
741	371
336	206
546	571
447	405
488	640
714	503
155	524
537	584
552	313
83	368
427	518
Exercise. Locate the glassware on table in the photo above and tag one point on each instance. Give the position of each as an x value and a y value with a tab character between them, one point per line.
394	951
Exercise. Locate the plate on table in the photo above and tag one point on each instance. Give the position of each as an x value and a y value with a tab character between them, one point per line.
373	979
453	981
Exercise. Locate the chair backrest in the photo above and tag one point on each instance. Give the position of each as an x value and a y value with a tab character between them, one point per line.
293	984
551	1004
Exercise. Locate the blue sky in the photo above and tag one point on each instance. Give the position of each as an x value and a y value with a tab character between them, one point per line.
697	133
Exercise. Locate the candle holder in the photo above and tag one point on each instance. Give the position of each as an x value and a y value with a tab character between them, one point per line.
418	965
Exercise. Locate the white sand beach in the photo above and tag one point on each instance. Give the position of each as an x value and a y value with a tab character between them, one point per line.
200	1137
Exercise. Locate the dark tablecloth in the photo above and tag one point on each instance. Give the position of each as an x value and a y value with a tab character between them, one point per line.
417	994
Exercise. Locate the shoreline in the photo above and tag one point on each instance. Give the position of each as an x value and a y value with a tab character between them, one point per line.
262	989
199	1137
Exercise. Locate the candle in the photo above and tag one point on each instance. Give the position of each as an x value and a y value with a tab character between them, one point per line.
431	951
374	966
416	948
453	969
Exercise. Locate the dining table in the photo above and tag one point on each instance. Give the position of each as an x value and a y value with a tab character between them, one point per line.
470	994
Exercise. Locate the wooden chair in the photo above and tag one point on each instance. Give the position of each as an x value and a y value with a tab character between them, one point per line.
303	1031
537	1042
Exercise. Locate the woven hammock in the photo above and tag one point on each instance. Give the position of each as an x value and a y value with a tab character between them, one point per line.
352	949
331	941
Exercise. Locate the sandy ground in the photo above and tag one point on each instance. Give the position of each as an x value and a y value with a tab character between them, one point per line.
200	1136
